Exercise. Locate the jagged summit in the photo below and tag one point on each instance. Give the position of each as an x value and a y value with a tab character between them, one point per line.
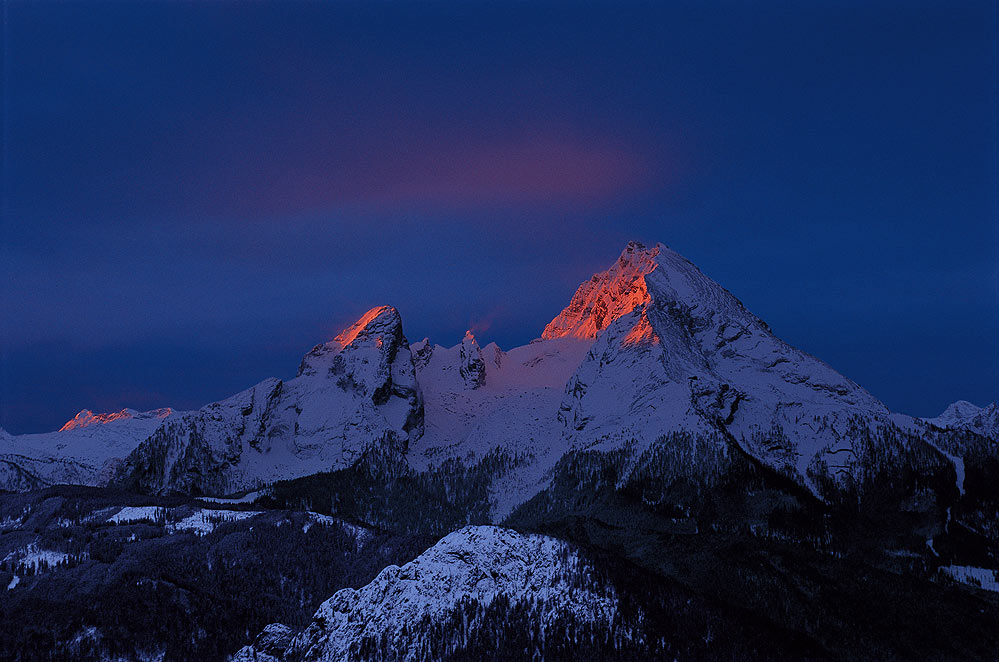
369	324
471	367
616	292
607	295
380	328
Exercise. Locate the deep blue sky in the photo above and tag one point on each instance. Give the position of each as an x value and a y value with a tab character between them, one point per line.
195	194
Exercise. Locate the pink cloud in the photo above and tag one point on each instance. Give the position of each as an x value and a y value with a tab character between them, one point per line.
461	173
539	170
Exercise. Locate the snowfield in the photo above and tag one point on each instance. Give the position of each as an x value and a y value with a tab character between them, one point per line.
35	557
201	522
131	514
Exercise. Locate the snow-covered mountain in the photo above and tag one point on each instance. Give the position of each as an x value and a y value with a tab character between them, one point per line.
648	347
962	415
690	356
353	392
473	566
85	451
356	390
656	422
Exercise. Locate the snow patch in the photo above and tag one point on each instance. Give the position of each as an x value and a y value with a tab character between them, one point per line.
34	557
204	522
983	578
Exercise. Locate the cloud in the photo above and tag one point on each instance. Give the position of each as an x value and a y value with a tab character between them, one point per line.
527	170
434	173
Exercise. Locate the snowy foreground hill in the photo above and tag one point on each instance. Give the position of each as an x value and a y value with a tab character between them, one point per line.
459	577
665	468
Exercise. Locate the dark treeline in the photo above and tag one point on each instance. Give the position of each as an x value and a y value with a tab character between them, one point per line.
134	591
383	491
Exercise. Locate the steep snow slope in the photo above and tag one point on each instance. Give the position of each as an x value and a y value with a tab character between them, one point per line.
512	401
479	563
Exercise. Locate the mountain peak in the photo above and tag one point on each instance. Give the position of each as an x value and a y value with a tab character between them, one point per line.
379	326
369	324
963	414
607	295
472	367
960	409
474	565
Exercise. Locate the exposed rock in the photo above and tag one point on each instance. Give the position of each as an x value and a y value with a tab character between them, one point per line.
606	296
472	368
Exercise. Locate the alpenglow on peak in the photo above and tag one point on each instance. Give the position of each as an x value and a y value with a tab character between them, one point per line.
607	295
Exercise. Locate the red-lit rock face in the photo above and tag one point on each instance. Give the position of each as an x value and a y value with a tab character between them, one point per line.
87	418
607	296
642	333
351	333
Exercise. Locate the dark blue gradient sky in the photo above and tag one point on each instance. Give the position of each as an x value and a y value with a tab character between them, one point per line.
195	194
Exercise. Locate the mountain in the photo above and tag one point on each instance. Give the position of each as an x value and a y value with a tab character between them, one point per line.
85	451
690	356
962	415
351	393
649	347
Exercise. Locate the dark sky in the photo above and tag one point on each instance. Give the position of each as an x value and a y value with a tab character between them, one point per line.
195	194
